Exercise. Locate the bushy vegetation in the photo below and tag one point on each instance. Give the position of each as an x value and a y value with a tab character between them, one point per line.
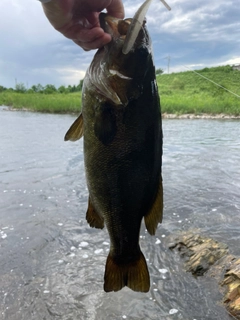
183	92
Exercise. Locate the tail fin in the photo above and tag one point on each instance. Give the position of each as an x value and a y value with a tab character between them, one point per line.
133	275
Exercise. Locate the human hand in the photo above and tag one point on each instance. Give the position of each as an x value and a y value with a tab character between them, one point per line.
78	20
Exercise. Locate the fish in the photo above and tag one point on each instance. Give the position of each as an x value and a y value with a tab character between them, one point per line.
121	126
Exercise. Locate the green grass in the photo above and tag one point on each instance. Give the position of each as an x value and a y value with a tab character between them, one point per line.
53	103
180	93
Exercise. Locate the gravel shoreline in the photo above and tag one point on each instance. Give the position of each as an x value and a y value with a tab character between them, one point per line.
199	116
164	115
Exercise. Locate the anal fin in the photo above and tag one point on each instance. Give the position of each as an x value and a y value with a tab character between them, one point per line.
93	218
75	132
154	215
134	275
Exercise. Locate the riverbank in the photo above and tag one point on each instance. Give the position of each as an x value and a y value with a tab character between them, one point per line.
177	105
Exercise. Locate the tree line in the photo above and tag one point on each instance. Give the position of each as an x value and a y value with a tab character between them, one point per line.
50	88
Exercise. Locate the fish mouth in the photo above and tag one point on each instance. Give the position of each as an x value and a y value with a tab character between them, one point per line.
117	28
126	30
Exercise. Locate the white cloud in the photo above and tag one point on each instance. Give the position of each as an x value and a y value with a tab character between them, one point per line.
70	76
231	61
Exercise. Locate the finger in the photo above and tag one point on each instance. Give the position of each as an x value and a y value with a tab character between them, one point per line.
79	33
90	35
116	9
95	44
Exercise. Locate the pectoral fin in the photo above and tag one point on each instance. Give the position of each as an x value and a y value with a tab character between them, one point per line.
93	218
154	216
75	132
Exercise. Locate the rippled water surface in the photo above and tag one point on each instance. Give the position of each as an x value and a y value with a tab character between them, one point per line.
52	262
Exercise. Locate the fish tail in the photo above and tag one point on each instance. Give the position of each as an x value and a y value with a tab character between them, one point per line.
134	275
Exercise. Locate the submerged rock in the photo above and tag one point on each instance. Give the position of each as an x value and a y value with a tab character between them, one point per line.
205	256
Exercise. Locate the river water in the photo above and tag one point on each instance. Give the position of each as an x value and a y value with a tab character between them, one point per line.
52	262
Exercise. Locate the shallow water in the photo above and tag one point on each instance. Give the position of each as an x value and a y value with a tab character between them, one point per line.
52	262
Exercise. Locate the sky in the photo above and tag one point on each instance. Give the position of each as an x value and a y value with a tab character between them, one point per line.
193	35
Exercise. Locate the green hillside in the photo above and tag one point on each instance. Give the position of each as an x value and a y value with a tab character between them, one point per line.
188	92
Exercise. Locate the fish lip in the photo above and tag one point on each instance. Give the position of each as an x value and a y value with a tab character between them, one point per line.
109	24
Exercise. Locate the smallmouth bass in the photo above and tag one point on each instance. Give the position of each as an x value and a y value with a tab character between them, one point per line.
122	129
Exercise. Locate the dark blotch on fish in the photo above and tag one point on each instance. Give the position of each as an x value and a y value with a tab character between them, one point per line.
105	127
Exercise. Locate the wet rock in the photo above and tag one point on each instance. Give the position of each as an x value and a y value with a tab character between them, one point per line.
202	252
232	283
206	257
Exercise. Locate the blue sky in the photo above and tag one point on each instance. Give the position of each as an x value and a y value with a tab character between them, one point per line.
194	34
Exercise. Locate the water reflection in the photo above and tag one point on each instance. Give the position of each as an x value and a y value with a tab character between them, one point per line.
52	262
